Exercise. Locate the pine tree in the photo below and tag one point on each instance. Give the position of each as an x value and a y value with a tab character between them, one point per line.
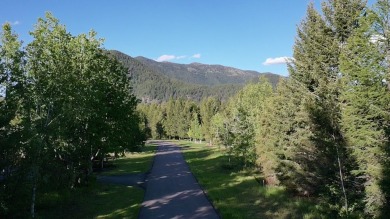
365	99
315	70
170	119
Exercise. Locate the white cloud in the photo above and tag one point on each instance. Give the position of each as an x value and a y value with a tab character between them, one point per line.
165	58
278	60
196	56
181	57
13	23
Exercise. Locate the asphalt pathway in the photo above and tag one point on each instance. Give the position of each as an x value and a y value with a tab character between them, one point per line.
171	189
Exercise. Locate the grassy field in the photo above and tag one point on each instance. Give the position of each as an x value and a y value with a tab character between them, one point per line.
101	200
134	162
235	193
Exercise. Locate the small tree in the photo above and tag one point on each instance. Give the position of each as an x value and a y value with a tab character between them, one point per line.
195	130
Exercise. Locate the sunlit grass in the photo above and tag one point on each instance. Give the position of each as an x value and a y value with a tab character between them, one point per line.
138	162
101	200
235	192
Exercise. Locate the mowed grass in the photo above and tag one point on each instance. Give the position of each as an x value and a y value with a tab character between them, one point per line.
235	192
100	200
96	201
138	162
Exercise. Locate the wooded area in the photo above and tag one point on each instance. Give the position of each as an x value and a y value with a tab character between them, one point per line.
322	133
151	81
65	104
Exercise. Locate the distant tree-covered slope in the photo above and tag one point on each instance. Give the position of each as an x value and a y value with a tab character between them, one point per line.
155	81
197	73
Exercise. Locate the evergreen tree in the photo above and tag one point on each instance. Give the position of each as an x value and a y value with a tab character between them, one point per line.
170	119
365	102
273	138
315	69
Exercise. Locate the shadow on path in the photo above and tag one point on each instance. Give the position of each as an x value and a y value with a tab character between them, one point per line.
171	189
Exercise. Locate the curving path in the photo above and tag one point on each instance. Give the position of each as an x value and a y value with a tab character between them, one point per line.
171	189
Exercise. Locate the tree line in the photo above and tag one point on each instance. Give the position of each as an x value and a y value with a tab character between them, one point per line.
323	133
64	103
150	83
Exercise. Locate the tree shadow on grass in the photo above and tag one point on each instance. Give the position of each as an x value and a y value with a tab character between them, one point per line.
140	162
101	201
236	193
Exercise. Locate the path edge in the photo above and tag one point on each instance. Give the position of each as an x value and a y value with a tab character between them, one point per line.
200	185
147	173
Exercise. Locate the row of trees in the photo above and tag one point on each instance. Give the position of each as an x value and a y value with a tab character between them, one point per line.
324	131
64	103
180	118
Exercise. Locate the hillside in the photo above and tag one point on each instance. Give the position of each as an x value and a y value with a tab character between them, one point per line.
159	81
197	73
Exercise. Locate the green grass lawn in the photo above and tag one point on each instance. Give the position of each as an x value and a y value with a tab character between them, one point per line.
235	192
133	162
101	200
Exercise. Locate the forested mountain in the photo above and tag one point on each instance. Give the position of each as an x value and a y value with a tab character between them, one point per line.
159	81
197	73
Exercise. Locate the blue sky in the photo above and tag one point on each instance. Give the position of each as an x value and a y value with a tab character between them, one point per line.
242	34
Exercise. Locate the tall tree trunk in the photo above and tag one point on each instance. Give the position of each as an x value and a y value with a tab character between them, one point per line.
34	190
341	177
33	200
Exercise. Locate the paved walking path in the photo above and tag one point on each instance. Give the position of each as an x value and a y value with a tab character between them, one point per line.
171	189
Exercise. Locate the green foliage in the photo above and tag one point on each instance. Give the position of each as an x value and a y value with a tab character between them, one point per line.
236	193
12	131
274	140
195	130
201	74
100	200
217	128
323	132
153	116
365	107
66	103
171	119
237	129
208	108
316	70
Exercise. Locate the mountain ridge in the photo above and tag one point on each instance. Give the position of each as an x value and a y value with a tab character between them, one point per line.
202	74
154	81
